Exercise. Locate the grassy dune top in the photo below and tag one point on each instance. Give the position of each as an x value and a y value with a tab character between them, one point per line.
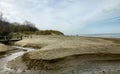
53	47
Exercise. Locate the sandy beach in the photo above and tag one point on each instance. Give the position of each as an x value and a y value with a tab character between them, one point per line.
69	55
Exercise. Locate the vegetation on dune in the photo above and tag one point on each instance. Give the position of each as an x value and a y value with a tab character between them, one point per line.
39	32
48	32
27	28
6	28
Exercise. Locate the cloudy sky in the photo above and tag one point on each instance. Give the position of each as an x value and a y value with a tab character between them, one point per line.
69	16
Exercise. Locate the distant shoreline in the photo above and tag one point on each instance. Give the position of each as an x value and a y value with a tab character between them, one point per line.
106	35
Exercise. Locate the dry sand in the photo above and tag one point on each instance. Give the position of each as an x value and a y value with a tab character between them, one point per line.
70	55
4	49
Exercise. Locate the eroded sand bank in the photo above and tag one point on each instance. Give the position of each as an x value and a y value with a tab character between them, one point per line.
4	49
69	55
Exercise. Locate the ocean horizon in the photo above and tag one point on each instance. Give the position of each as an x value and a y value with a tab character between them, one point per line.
107	35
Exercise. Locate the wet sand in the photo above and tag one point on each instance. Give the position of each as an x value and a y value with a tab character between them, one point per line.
11	56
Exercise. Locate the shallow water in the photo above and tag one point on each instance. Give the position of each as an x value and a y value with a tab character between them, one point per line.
116	35
6	59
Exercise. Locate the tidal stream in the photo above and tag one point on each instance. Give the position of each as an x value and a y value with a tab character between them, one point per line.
4	61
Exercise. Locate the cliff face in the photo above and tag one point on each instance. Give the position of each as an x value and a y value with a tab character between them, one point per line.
70	55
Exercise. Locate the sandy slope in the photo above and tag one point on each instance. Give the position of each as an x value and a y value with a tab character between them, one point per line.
53	47
4	48
61	54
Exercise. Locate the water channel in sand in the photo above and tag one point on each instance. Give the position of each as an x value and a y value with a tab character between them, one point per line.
96	66
7	58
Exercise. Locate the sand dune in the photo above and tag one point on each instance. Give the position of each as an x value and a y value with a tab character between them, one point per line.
61	54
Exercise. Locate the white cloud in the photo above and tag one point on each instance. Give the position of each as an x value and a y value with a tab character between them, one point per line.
68	16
